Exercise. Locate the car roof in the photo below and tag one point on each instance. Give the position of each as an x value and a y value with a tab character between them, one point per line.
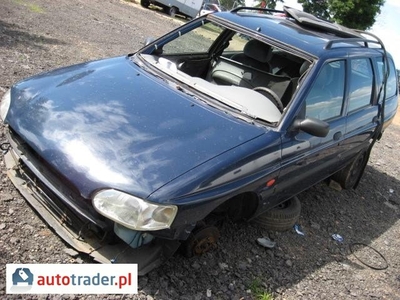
297	29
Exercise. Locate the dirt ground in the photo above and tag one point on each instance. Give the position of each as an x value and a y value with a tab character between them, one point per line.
396	120
40	35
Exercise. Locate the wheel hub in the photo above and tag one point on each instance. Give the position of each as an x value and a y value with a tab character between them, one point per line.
204	240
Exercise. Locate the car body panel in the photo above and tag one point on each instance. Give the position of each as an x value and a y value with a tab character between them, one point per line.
95	124
157	125
307	159
281	30
246	168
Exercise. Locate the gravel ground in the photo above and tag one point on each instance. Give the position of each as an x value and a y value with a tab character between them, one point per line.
40	35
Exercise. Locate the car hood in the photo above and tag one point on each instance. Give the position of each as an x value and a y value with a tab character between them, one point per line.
110	124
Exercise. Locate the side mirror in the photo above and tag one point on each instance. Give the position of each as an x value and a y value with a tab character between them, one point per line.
312	126
149	40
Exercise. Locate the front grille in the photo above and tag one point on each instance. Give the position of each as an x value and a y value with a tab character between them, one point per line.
52	191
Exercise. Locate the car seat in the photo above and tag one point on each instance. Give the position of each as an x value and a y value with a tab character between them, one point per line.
255	54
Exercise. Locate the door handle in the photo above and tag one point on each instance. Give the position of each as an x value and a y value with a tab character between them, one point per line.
337	136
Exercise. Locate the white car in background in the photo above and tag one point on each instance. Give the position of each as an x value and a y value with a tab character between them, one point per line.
210	8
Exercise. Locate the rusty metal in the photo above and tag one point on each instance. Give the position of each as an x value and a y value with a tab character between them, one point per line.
204	240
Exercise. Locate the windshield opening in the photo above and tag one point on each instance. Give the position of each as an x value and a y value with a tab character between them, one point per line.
232	67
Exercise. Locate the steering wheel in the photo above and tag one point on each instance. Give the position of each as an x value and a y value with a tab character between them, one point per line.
271	95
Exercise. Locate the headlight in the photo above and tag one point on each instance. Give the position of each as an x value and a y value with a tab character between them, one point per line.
133	212
5	105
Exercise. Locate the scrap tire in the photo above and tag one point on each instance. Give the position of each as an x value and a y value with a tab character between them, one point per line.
145	3
172	11
282	217
348	177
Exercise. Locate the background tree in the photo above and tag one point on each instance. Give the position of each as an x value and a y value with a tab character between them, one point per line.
358	14
229	4
271	4
318	8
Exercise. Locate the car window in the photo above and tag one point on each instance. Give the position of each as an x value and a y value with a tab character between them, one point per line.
236	44
236	71
361	83
198	40
325	99
391	83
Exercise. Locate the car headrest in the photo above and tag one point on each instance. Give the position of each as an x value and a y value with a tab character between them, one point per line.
258	51
304	66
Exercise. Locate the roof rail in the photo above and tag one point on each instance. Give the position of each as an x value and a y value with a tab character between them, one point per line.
330	44
239	8
377	39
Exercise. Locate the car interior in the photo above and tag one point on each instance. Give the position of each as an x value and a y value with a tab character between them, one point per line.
210	56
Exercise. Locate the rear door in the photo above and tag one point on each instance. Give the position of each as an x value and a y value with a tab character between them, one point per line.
365	81
392	89
362	107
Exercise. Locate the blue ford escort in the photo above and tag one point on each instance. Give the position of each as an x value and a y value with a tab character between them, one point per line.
230	115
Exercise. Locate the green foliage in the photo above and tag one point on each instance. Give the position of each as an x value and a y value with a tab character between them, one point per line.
230	4
258	291
358	14
31	6
271	4
318	8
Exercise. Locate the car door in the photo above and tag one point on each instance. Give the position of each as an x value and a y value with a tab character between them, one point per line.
362	108
308	159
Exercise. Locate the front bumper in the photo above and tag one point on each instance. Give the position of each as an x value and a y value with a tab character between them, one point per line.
79	228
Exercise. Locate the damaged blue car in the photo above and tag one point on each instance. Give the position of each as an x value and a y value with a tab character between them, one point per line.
229	116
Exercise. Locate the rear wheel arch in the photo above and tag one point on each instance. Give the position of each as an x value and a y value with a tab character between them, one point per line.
350	175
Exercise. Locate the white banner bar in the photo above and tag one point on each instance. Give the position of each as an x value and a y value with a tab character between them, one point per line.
71	279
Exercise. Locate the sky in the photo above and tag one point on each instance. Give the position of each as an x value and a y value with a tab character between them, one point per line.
386	27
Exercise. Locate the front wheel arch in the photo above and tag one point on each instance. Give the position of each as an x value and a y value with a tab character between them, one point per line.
239	207
205	235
